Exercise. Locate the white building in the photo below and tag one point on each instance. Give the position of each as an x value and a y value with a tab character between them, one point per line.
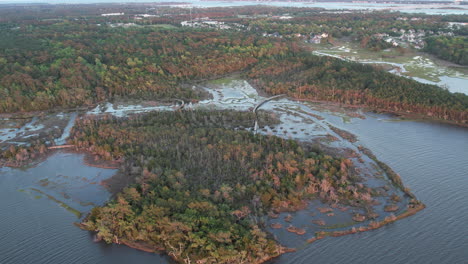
113	14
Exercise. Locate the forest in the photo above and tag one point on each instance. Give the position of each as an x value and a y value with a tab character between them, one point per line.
304	76
454	49
202	189
53	56
198	184
355	26
71	64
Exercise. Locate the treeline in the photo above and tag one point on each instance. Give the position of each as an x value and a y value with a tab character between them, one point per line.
202	190
82	58
69	64
306	76
374	44
454	49
17	156
355	26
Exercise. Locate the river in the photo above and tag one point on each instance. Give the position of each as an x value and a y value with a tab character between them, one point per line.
451	79
431	158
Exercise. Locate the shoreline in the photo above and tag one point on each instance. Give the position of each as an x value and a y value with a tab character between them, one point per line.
161	251
412	209
372	225
404	115
90	160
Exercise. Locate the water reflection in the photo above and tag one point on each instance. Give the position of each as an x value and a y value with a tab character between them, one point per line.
35	229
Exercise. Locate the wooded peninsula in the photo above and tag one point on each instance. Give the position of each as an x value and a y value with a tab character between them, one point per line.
198	184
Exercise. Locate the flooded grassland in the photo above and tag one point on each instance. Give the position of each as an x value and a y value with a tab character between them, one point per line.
64	181
420	66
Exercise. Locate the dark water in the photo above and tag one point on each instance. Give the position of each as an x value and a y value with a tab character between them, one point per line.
35	229
432	160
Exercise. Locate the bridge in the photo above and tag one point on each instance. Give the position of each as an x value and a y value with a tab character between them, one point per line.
61	147
260	105
181	106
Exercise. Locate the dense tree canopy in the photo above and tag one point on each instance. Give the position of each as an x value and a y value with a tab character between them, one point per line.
454	49
202	189
71	64
201	184
55	56
305	76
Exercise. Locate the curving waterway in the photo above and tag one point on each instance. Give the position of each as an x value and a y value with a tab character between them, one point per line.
39	205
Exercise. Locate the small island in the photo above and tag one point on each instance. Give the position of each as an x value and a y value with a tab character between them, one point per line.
202	189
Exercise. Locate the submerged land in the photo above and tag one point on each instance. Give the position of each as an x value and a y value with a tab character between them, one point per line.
167	96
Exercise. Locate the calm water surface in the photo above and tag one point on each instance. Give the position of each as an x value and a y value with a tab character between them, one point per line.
431	158
35	229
